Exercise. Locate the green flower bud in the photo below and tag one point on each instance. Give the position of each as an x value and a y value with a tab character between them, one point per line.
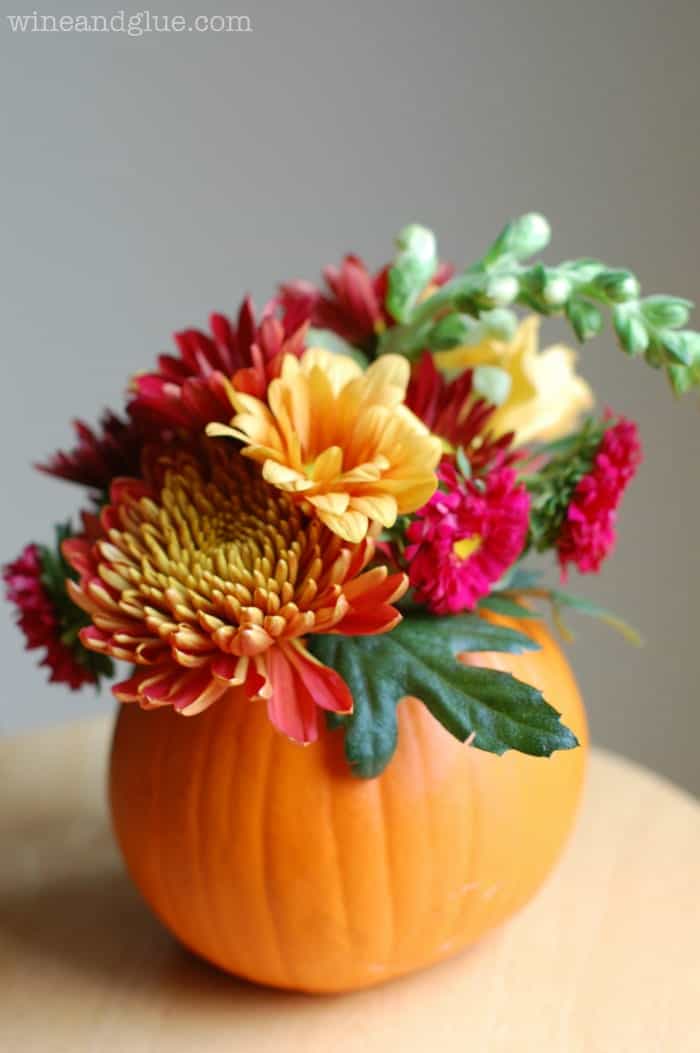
618	286
502	290
492	383
526	236
556	291
452	331
419	242
499	324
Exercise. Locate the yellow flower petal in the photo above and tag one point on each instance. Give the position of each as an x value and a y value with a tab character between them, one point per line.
546	396
340	441
383	508
351	525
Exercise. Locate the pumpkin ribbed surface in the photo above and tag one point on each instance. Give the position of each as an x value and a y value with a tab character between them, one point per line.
272	861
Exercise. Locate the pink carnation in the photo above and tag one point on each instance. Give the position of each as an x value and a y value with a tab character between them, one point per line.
588	532
464	539
39	621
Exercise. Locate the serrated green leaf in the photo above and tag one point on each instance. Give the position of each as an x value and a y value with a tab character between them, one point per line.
501	713
464	632
418	658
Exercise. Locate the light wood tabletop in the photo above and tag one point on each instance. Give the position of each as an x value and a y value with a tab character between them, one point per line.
606	958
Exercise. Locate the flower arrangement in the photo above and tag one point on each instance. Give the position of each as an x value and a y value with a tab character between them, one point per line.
318	506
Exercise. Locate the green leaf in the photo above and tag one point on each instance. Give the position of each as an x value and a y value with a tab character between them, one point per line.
463	463
586	319
631	330
682	348
329	340
666	311
503	604
418	659
681	378
520	578
501	712
560	599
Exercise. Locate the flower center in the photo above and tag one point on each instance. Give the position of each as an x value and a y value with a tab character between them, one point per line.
466	546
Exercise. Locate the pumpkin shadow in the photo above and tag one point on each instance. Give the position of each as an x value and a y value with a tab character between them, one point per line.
70	916
96	934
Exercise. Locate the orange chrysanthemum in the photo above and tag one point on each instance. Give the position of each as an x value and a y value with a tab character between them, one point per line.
340	441
209	578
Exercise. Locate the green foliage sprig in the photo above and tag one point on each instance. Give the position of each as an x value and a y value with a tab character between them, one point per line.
462	310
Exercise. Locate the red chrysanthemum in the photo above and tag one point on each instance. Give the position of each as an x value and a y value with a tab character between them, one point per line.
191	390
114	449
353	307
465	538
587	534
40	622
454	412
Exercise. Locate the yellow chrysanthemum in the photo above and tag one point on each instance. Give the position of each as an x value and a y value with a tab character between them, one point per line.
546	397
339	441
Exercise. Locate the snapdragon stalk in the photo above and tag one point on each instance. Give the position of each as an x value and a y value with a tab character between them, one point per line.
476	304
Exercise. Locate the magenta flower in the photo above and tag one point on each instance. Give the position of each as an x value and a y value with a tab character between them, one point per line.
588	534
40	622
465	538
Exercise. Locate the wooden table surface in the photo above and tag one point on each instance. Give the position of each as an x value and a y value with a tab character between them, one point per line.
607	958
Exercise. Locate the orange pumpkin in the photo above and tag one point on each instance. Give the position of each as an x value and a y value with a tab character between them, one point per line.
275	863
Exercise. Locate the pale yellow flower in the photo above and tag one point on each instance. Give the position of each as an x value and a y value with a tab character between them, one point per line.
546	397
339	441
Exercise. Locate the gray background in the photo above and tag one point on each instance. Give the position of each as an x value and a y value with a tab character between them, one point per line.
149	180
